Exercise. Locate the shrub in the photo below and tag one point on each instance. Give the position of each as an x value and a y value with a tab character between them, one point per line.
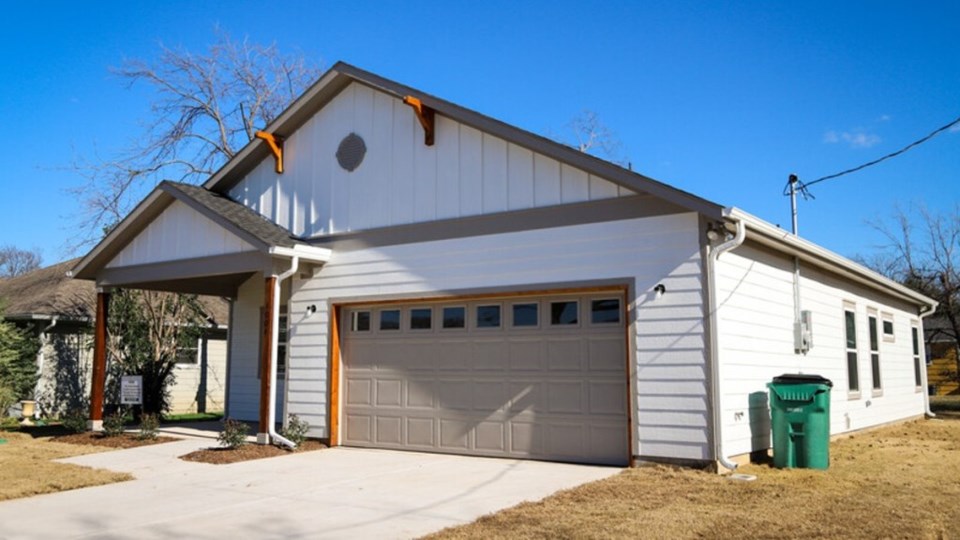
75	420
296	430
7	398
234	433
113	424
149	425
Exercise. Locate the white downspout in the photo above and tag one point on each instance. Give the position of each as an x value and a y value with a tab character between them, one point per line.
923	372
275	317
40	361
715	340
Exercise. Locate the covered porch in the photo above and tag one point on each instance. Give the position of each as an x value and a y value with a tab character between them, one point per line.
185	239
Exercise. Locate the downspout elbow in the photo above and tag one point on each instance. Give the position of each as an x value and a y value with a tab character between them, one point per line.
736	241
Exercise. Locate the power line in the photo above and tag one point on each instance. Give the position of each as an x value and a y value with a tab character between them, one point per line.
802	186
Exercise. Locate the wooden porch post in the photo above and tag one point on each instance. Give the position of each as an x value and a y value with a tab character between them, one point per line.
99	376
267	347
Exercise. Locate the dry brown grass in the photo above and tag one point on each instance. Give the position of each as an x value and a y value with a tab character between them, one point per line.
27	467
901	481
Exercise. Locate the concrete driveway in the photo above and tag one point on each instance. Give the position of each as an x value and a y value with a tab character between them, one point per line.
336	493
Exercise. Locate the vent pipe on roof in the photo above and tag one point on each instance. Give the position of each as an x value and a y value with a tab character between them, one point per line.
714	320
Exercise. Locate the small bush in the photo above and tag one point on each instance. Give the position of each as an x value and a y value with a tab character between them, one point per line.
113	424
296	430
234	433
149	425
7	398
75	420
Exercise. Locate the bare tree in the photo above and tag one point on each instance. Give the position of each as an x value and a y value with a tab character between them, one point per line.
15	261
923	253
592	136
206	108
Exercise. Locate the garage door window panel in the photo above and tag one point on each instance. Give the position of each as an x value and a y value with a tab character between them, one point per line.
564	313
360	321
605	311
454	318
421	319
488	316
389	320
526	315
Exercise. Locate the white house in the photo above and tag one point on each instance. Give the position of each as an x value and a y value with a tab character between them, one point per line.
451	283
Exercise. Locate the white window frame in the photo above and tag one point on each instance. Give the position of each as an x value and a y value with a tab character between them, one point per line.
198	350
526	302
475	315
621	315
409	317
916	342
852	393
466	318
876	374
354	313
886	317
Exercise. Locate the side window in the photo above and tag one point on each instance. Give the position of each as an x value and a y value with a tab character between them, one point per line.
389	319
488	316
282	333
360	321
853	365
887	322
605	311
564	313
872	325
526	314
917	375
189	354
454	317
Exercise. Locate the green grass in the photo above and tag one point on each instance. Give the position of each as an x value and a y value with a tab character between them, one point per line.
944	403
9	423
192	417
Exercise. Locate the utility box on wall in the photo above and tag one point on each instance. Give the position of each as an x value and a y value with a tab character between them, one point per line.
803	332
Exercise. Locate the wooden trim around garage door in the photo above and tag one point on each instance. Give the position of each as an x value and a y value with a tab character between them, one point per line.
334	422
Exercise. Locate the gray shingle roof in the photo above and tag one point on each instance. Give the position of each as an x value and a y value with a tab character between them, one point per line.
232	215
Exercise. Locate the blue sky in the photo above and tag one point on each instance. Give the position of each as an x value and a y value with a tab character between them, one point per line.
722	99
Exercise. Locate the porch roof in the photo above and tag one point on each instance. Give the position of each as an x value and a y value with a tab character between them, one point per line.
184	238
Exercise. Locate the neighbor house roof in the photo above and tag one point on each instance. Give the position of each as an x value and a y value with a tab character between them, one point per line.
342	74
48	292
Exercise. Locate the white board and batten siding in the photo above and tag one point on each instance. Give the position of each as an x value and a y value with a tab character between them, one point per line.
180	231
669	394
755	295
244	370
401	180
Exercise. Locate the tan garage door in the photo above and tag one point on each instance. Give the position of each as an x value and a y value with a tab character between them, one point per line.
522	377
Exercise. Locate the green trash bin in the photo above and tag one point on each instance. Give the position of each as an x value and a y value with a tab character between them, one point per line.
800	421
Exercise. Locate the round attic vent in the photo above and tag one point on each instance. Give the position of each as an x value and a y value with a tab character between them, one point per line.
351	151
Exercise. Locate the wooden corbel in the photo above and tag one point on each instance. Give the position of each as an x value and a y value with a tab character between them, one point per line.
275	142
425	115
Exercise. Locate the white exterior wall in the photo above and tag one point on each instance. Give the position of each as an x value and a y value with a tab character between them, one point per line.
401	180
179	230
244	399
755	295
670	407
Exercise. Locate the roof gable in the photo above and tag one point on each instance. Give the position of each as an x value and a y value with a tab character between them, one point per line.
341	75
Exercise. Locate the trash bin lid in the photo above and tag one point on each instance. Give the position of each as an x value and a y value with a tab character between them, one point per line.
800	378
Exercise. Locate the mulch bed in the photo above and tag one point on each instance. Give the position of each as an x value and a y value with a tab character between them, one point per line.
127	440
221	456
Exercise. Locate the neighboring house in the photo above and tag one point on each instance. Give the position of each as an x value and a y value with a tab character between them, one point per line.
60	310
942	375
451	283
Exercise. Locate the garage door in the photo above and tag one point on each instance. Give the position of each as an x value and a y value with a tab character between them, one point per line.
522	377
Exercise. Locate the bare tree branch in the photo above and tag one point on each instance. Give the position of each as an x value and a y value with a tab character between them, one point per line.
15	261
206	107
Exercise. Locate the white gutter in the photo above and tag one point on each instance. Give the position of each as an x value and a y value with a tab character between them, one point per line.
923	372
40	360
275	316
714	320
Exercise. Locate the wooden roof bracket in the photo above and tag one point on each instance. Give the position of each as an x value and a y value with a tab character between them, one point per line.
275	142
425	115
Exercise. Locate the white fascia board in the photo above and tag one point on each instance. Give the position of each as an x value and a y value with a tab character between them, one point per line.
307	253
786	242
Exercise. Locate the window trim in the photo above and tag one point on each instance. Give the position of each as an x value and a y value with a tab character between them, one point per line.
476	317
548	323
620	311
410	327
852	393
354	313
380	327
197	348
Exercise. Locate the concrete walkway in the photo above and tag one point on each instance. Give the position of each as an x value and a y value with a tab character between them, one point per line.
335	493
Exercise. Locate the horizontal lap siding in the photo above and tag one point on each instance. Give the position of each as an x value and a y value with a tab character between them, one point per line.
669	387
401	180
756	315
